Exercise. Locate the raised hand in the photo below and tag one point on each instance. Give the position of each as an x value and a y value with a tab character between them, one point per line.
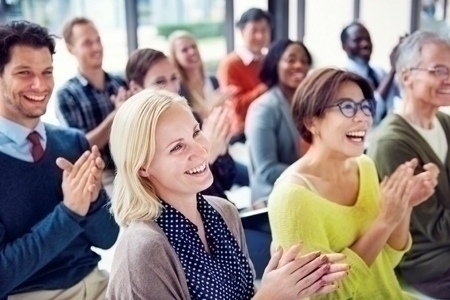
396	192
221	95
424	184
97	174
82	181
122	95
217	130
76	183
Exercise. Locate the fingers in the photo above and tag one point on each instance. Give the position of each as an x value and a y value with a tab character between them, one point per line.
79	163
85	179
290	255
403	181
92	181
311	283
334	268
274	261
335	276
303	269
99	163
64	164
335	257
432	170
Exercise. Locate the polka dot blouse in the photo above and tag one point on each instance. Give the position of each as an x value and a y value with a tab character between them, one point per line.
223	274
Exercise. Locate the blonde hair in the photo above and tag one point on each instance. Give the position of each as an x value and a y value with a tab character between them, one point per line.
133	143
196	100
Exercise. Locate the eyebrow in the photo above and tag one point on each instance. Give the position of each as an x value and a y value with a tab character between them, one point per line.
180	139
25	67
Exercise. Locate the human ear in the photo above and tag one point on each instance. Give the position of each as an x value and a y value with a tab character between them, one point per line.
143	172
406	78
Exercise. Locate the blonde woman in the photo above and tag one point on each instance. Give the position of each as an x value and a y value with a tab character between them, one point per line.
179	244
200	89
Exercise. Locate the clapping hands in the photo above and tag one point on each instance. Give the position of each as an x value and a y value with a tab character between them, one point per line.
82	181
290	276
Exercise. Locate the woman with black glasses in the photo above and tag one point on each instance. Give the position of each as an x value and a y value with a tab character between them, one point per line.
331	198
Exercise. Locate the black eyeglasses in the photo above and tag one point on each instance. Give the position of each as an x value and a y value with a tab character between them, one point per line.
349	108
439	71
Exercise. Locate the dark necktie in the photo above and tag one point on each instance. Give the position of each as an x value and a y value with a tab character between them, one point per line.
373	77
36	151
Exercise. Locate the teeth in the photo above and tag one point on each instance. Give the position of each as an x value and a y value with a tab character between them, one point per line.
359	133
35	98
198	169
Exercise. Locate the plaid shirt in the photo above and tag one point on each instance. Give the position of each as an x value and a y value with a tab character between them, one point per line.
82	106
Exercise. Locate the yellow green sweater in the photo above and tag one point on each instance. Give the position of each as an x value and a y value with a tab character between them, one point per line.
299	214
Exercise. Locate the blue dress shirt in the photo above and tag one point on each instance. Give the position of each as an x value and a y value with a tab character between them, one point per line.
14	142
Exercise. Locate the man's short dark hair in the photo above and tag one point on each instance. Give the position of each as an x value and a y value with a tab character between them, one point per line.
253	15
344	33
23	33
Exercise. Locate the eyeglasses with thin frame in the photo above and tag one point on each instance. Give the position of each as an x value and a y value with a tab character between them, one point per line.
349	107
439	71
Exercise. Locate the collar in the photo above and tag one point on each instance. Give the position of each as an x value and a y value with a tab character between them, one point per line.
357	63
170	215
247	56
18	133
83	80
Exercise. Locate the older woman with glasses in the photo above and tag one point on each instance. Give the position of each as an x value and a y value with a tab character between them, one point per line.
331	199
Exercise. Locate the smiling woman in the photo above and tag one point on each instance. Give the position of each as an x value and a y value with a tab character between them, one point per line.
331	199
178	243
272	138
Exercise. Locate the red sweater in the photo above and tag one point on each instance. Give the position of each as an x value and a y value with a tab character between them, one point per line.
232	71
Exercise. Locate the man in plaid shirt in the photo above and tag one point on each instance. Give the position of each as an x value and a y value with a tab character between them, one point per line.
90	100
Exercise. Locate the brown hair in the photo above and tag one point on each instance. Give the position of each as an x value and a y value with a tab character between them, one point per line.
140	62
70	24
317	92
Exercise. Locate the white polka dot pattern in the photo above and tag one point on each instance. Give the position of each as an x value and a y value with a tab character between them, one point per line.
223	274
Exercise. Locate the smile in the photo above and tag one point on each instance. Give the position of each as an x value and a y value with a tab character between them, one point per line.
199	169
357	135
35	97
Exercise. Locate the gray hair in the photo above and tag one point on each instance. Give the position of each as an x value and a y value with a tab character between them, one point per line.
409	51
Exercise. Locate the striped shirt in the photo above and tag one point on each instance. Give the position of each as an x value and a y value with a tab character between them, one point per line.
82	106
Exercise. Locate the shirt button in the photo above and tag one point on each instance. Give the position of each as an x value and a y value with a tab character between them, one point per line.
233	277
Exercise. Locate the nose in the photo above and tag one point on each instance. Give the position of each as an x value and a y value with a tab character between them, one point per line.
258	35
199	148
364	43
299	64
98	46
38	83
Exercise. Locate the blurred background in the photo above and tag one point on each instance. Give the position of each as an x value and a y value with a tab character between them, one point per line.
125	25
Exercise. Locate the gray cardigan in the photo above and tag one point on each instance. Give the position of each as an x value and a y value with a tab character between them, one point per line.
145	266
272	139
